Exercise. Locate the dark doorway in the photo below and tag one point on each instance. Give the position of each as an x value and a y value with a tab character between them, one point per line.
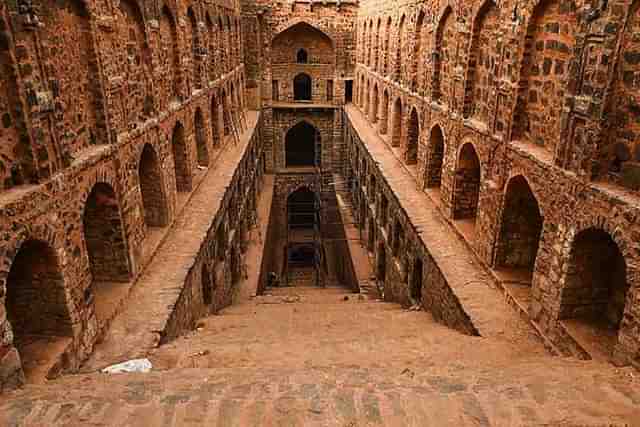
301	209
302	57
36	306
348	91
153	198
302	255
104	237
300	146
521	228
435	158
302	87
179	147
467	184
596	289
596	280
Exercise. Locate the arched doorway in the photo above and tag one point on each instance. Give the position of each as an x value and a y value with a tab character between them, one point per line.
520	230
375	105
179	148
36	306
153	197
413	138
596	286
467	184
302	209
396	124
302	57
384	113
106	246
215	125
302	87
201	140
301	143
435	158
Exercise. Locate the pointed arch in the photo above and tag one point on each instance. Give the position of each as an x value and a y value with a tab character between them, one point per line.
396	123
413	138
180	160
36	306
202	150
467	184
215	122
596	287
302	142
435	158
384	113
154	202
520	228
302	87
104	235
302	57
375	105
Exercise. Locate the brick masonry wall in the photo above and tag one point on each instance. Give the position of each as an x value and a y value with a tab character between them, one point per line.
91	96
542	92
396	243
218	261
312	25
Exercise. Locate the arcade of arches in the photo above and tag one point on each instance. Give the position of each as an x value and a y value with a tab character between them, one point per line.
301	193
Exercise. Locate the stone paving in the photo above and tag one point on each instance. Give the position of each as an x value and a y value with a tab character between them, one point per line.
308	357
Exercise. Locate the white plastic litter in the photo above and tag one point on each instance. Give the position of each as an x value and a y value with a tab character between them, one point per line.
135	365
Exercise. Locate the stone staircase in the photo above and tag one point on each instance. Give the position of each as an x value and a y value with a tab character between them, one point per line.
327	357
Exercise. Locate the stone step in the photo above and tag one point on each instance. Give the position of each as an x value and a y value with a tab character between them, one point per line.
445	395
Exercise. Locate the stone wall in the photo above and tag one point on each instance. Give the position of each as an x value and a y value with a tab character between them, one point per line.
110	107
324	29
538	92
395	242
213	279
